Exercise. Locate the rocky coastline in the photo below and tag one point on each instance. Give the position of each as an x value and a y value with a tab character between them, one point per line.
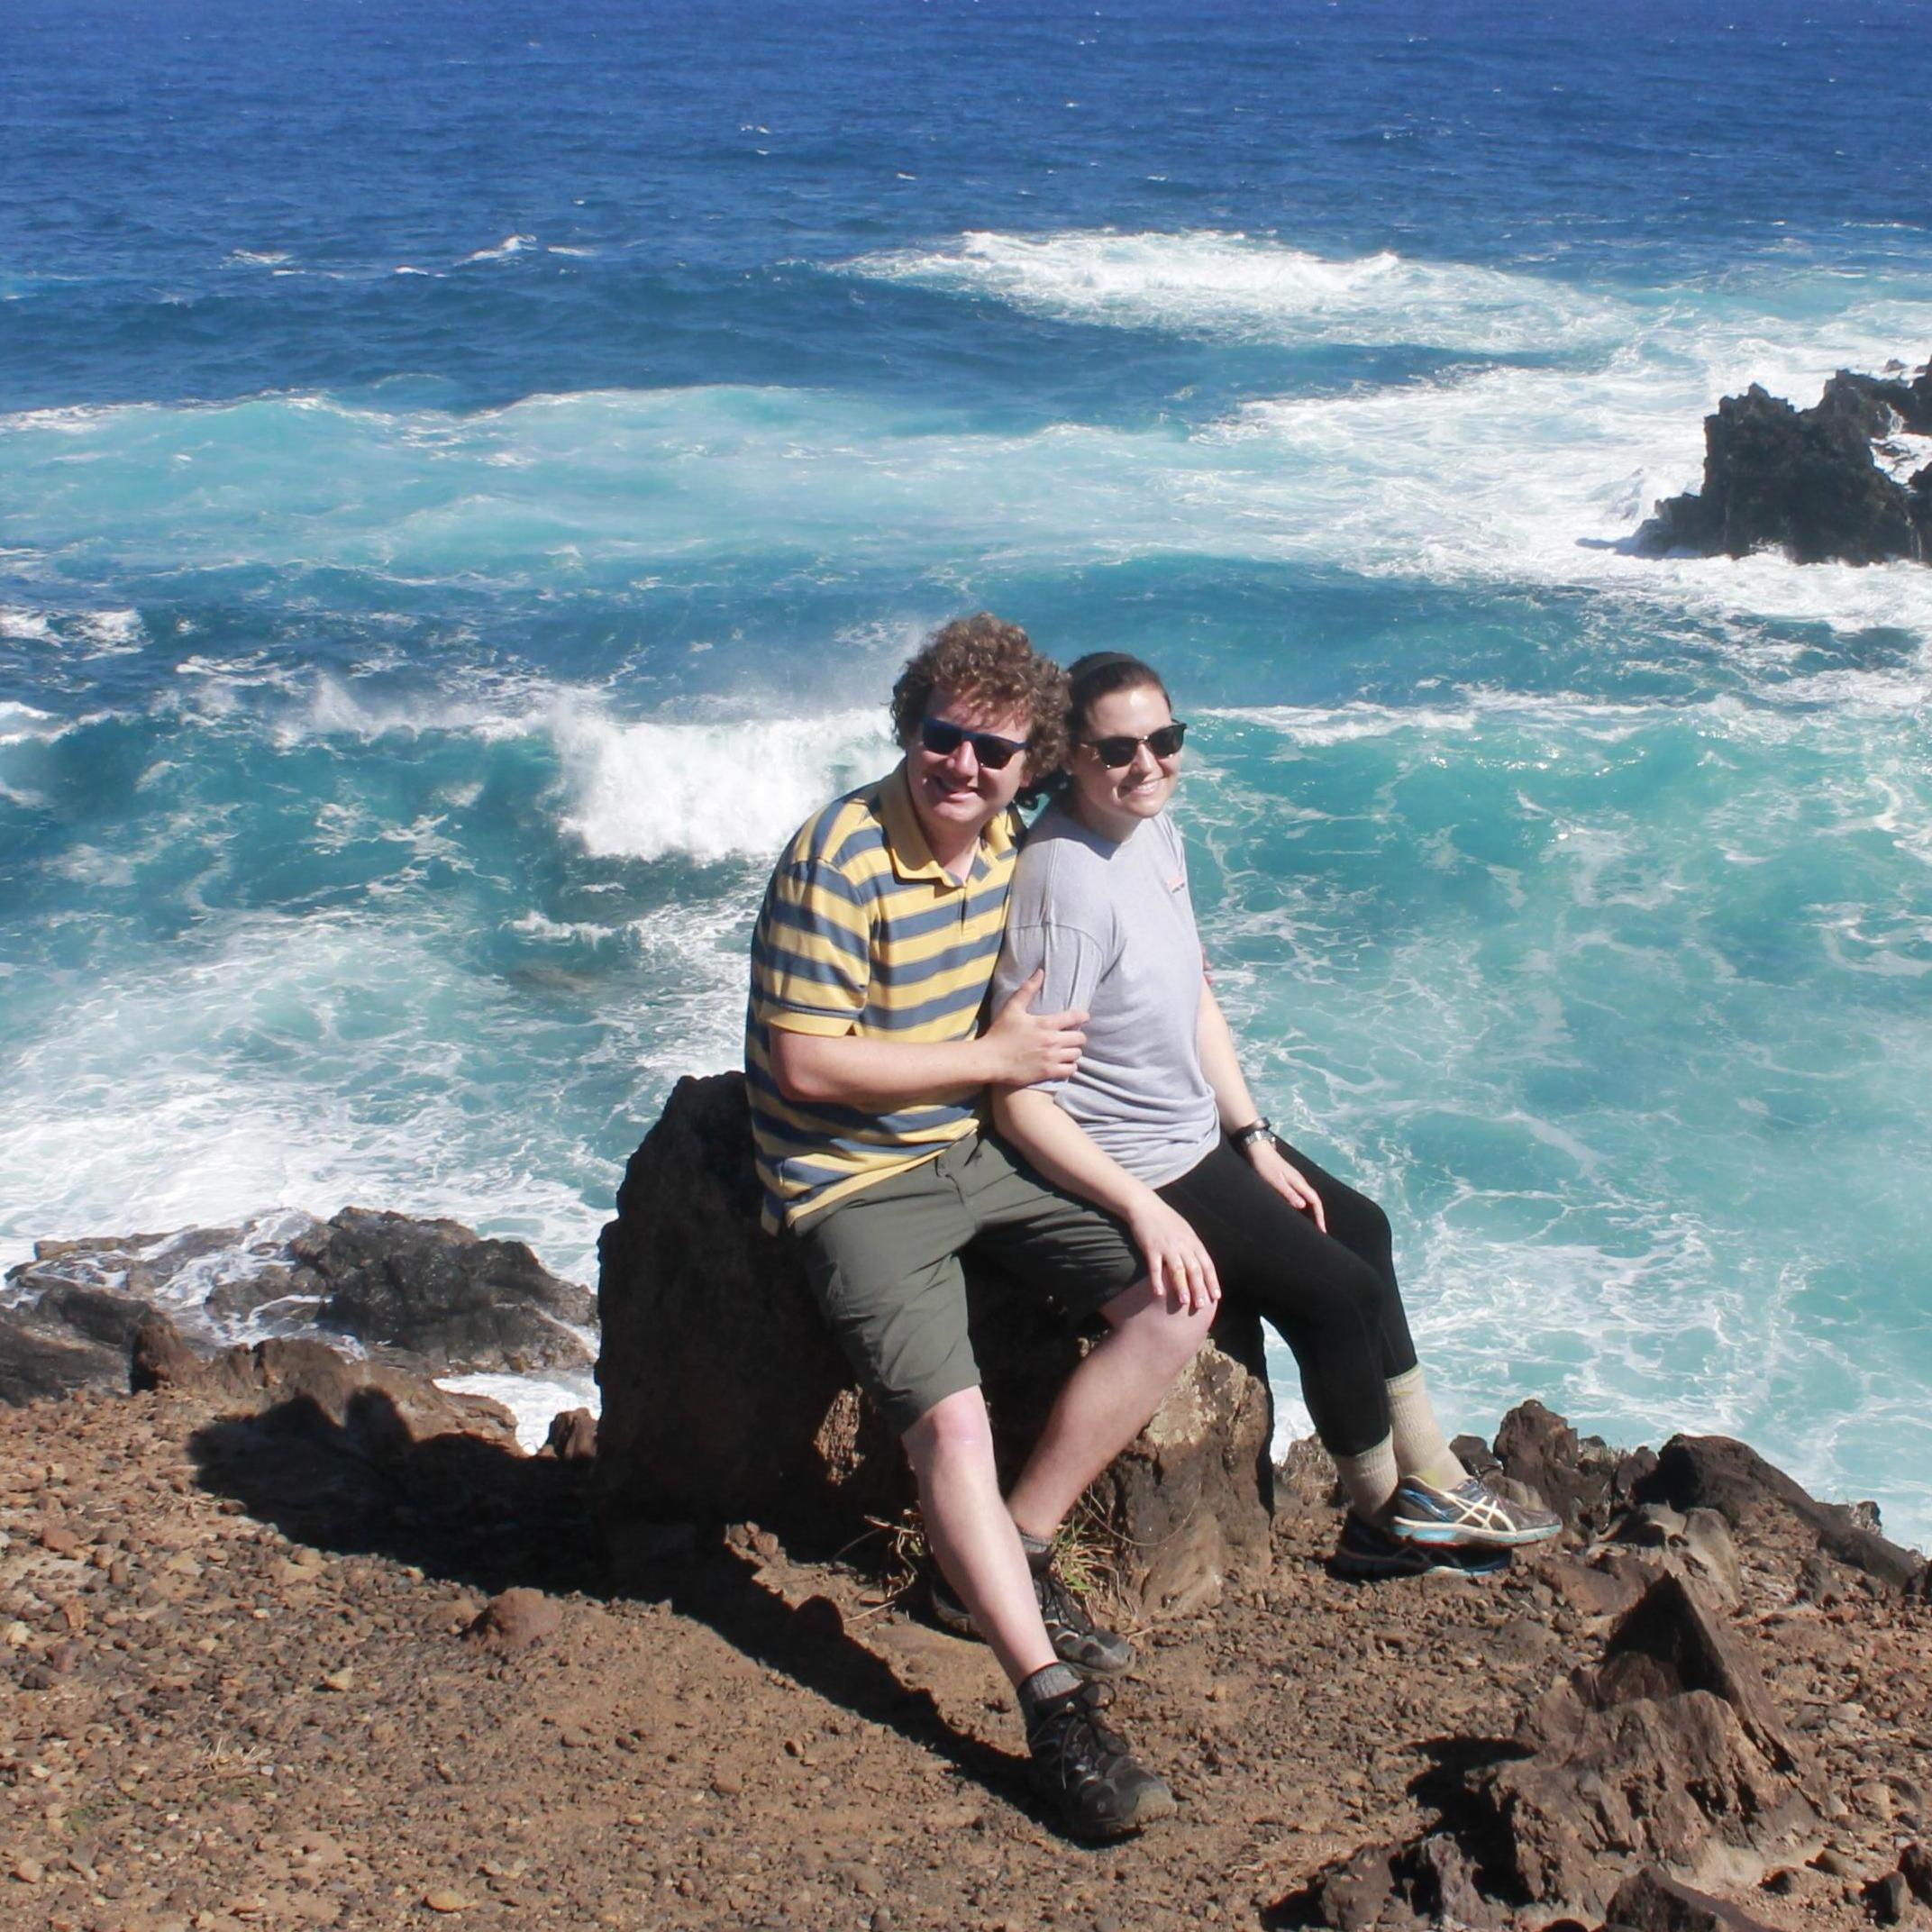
293	1638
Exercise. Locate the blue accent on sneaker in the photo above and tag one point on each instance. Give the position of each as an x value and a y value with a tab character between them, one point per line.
1366	1550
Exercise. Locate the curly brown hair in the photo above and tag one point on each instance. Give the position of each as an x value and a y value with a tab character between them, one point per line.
987	661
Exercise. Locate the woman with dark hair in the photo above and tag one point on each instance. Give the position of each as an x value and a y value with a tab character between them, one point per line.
1156	1124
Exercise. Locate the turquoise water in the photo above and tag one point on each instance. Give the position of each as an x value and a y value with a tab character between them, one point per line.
468	479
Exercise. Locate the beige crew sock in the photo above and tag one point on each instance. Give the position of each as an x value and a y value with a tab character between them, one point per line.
1370	1479
1421	1449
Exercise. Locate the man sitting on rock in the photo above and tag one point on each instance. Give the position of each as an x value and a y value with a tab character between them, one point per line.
867	1066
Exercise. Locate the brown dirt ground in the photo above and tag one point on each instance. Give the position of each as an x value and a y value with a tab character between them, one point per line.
207	1723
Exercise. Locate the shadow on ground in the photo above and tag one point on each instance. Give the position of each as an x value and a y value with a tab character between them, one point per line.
478	1513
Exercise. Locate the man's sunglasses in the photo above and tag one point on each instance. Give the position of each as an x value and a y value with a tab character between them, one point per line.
1114	752
995	753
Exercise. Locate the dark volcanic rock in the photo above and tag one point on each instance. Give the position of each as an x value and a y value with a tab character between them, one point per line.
1667	1646
1717	1472
573	1435
439	1291
725	1396
1805	481
1670	1749
1538	1448
62	1335
41	1357
1648	1901
296	1376
427	1295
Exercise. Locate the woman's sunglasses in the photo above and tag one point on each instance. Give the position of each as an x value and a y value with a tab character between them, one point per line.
1114	752
995	753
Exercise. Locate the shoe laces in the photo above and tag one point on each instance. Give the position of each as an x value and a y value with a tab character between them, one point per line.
1058	1604
1082	1743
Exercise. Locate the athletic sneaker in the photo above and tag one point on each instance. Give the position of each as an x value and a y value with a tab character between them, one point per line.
1082	1767
1367	1551
1076	1638
1470	1513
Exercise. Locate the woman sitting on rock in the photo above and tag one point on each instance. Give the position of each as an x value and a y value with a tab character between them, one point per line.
1156	1126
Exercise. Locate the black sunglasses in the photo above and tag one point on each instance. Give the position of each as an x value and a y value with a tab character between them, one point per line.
995	753
1114	752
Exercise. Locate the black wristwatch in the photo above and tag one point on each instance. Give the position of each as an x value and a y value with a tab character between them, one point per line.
1256	1129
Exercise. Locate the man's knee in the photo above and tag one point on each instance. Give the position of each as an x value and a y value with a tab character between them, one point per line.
955	1428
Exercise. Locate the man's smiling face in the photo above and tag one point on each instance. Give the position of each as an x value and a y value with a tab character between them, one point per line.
957	793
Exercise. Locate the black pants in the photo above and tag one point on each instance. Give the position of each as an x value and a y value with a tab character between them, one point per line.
1333	1297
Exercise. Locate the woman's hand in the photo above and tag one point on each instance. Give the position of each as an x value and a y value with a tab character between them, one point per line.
1286	1179
1178	1264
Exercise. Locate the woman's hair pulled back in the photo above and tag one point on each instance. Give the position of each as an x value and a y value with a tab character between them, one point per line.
1099	674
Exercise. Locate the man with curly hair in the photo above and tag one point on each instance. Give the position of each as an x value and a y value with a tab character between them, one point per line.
867	1065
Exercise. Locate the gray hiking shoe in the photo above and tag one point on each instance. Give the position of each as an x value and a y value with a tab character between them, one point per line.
1082	1767
1076	1638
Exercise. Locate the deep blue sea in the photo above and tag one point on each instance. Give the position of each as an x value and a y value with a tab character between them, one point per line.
470	472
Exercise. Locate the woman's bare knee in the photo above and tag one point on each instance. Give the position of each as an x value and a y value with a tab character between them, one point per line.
1156	1324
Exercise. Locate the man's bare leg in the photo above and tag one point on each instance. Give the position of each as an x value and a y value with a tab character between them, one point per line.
1105	1403
971	1533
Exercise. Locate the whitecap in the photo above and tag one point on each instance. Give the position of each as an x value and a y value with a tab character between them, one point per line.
111	633
1206	282
20	724
646	789
26	626
534	924
510	245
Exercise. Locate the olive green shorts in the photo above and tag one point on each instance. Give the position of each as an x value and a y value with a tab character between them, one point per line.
885	1265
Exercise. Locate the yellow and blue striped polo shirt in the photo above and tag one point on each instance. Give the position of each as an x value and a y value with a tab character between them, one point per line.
862	931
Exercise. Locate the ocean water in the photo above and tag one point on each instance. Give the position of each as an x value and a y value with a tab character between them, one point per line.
469	474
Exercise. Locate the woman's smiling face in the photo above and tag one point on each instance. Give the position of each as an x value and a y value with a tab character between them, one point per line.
1114	800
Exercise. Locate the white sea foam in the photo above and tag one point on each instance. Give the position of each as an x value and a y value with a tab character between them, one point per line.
510	245
535	1400
1253	289
250	257
646	789
302	1064
337	709
709	787
1427	480
1515	475
23	723
111	633
564	932
26	626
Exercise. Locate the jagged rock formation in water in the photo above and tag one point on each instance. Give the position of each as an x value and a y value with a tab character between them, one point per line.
1808	481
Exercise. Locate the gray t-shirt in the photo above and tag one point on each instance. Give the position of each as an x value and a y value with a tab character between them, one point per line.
1113	928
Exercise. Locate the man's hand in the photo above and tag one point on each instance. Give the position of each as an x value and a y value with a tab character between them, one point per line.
1178	1264
1286	1179
1024	1048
